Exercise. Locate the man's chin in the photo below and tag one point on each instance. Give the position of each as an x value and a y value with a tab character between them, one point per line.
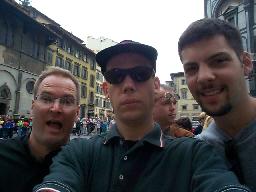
217	112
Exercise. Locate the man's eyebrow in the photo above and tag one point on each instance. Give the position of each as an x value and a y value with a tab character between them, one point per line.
44	93
214	56
189	63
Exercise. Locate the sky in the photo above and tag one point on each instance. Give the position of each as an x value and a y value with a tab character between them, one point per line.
158	23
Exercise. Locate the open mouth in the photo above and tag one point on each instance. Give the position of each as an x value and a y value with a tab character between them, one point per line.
211	92
54	124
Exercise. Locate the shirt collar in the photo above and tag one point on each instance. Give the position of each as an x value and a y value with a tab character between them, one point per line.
154	137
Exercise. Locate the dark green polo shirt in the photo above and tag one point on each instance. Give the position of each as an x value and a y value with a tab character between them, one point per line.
156	163
19	170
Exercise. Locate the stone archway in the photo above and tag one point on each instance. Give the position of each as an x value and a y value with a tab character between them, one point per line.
5	97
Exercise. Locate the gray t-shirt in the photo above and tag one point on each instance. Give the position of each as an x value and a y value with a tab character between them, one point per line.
246	146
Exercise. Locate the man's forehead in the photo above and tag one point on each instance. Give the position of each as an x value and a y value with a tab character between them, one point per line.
124	59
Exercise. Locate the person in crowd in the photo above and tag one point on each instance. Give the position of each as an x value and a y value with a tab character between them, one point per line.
182	127
1	126
24	161
164	112
185	123
134	155
199	128
215	66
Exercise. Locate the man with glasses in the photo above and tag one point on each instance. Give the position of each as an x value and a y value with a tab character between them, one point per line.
24	161
215	66
135	155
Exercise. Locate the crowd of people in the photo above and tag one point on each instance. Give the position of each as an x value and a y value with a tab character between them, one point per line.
18	126
91	126
146	148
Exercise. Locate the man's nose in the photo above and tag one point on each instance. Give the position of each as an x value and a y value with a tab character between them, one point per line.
56	106
128	84
172	107
205	73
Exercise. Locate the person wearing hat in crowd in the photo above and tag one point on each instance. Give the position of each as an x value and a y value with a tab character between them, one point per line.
215	66
164	112
135	155
25	160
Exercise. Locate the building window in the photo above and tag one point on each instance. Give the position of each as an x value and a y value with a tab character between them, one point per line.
30	86
84	74
100	102
91	99
5	92
59	62
49	57
195	106
184	107
92	79
69	50
97	76
83	91
183	82
76	53
231	15
98	89
68	65
76	70
184	93
92	62
97	102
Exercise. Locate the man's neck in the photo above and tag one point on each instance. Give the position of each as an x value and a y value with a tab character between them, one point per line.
134	130
233	122
37	150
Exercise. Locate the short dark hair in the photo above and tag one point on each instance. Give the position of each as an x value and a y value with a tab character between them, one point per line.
207	28
185	123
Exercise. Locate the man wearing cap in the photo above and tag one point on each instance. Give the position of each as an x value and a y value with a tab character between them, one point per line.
135	155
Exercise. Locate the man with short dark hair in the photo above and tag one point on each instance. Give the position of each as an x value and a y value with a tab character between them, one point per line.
135	155
24	161
215	67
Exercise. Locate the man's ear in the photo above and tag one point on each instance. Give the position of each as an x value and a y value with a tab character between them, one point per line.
247	63
105	89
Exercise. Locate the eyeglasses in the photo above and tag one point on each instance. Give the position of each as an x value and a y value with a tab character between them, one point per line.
49	100
138	74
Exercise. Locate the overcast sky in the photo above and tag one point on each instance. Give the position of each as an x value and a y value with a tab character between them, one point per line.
158	23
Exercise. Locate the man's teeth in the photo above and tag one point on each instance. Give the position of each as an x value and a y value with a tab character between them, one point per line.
211	92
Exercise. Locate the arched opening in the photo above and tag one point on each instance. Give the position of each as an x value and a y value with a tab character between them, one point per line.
5	97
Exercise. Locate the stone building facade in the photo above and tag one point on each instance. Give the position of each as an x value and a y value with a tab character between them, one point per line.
23	54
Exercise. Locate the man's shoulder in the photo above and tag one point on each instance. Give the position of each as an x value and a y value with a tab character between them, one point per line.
186	148
183	142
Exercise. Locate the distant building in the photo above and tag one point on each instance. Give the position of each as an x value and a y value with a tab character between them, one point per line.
23	56
70	53
103	106
187	105
240	13
98	44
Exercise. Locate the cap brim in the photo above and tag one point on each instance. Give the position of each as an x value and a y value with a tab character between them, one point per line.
105	55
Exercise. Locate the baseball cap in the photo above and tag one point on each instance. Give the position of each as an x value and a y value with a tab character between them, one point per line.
125	46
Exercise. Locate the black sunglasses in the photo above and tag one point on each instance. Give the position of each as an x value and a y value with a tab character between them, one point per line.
138	74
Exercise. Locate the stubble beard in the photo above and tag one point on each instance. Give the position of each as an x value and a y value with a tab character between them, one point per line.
223	110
